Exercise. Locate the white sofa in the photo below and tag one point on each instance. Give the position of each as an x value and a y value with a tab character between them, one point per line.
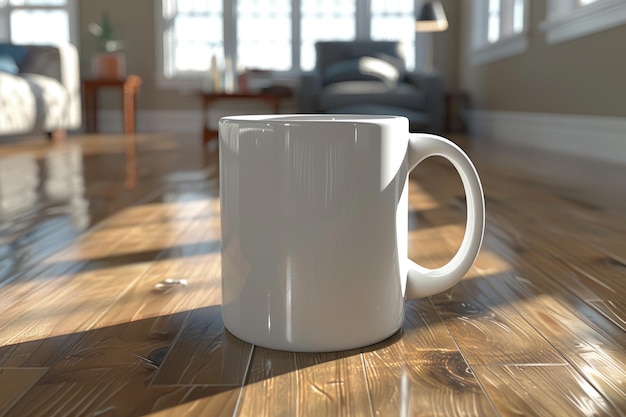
39	90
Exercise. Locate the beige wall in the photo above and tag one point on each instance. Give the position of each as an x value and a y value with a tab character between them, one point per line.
583	76
446	44
133	21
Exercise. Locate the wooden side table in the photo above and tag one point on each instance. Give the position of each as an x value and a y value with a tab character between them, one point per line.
208	99
129	87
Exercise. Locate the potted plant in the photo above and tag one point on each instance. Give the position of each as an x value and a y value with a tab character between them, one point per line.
108	62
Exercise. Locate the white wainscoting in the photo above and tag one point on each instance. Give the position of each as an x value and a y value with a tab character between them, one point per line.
591	136
179	121
151	121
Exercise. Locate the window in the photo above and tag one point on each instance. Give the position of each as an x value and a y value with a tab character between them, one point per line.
338	20
264	26
499	29
395	18
38	21
570	19
192	34
277	35
506	18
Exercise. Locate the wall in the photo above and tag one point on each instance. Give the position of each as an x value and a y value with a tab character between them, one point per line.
447	44
583	76
132	21
569	97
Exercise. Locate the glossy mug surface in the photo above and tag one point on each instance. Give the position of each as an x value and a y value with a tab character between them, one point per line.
314	228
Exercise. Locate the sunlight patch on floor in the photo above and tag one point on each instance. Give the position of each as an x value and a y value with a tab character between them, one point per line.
432	247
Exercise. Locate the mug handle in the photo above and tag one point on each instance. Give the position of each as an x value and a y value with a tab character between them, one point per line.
421	281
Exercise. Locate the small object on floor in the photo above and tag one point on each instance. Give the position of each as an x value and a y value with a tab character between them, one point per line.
169	283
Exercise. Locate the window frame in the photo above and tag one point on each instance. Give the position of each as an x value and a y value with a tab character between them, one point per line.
567	20
70	7
192	80
483	51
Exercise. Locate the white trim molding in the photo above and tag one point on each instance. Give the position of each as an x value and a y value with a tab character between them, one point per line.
179	121
505	48
597	137
153	121
511	38
566	22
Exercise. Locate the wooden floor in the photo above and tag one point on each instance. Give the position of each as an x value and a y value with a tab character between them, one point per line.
110	294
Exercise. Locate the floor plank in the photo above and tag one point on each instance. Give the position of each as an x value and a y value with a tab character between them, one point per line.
198	401
489	330
422	372
205	354
589	342
106	368
15	382
304	384
531	391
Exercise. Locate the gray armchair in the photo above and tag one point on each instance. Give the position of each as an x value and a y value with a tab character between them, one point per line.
370	77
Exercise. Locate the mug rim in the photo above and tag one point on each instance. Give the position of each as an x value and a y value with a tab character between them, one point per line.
314	118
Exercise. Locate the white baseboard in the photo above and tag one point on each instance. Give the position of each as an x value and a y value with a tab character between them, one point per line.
590	136
150	121
174	121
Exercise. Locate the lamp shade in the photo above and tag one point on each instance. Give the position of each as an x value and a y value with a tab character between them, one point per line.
431	18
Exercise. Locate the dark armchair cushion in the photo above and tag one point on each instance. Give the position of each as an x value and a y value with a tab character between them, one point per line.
329	52
35	59
361	69
8	65
17	52
358	92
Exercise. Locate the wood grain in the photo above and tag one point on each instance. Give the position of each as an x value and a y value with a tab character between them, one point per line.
489	330
531	391
91	324
205	354
197	401
106	366
588	342
562	267
14	382
305	384
421	371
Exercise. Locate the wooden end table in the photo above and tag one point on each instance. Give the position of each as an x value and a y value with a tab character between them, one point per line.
129	87
208	99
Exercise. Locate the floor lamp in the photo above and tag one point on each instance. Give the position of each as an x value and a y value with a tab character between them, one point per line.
431	18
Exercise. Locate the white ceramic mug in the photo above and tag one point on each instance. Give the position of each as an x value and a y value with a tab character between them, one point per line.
314	228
